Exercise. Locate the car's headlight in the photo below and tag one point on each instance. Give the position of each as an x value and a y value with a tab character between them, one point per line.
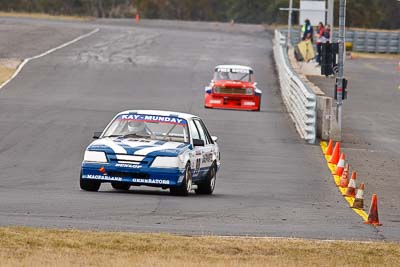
249	91
167	162
95	156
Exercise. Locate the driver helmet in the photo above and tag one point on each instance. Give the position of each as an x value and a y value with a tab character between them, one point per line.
224	75
136	127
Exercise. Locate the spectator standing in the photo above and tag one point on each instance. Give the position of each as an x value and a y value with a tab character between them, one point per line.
327	33
307	30
320	41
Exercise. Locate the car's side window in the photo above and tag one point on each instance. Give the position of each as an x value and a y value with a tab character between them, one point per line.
208	136
203	134
193	130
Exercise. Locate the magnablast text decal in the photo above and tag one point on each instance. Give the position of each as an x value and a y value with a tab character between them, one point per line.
152	118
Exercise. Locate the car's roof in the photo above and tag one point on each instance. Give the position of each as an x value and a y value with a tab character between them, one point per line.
160	113
234	67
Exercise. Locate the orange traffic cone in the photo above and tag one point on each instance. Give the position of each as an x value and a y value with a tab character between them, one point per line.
328	150
340	166
351	187
137	18
344	180
373	217
335	154
359	200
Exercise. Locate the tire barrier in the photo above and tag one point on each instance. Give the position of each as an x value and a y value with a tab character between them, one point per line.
348	187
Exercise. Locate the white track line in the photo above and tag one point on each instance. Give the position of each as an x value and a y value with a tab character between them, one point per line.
26	60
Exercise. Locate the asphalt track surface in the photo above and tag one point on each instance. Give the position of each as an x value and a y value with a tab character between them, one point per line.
371	127
271	183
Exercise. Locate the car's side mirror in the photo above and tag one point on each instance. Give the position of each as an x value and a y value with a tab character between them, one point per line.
214	138
198	142
96	135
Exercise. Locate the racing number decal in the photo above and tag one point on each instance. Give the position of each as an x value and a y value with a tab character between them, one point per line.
198	161
207	158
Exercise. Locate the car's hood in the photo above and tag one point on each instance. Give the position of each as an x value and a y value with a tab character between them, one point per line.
138	146
233	84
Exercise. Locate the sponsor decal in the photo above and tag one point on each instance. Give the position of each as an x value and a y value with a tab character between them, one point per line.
249	103
134	180
233	70
152	118
197	168
132	166
149	181
215	101
207	157
101	177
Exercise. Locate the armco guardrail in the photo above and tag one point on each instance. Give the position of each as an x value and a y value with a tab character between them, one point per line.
377	42
364	41
298	98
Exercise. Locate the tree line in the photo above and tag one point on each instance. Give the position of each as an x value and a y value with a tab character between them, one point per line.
361	13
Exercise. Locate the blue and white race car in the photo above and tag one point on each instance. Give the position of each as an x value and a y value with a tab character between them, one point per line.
153	148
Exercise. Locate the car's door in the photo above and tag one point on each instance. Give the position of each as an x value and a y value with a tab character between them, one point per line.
197	151
207	150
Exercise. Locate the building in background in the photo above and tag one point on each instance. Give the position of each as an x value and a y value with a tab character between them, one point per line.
315	11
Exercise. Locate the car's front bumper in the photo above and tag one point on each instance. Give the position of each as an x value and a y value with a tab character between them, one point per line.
232	101
134	175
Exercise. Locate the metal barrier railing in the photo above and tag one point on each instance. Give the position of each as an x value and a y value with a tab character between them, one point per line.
364	41
299	100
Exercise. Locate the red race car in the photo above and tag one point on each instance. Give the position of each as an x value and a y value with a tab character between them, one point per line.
233	88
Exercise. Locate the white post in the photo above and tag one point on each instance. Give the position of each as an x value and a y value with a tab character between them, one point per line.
289	36
330	21
340	72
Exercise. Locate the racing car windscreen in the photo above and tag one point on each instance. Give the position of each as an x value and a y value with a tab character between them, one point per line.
154	127
232	75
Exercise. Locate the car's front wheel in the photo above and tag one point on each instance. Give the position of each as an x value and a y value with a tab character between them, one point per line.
120	186
186	186
89	185
207	187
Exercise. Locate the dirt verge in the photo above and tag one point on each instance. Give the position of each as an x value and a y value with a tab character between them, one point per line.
42	16
43	247
7	68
